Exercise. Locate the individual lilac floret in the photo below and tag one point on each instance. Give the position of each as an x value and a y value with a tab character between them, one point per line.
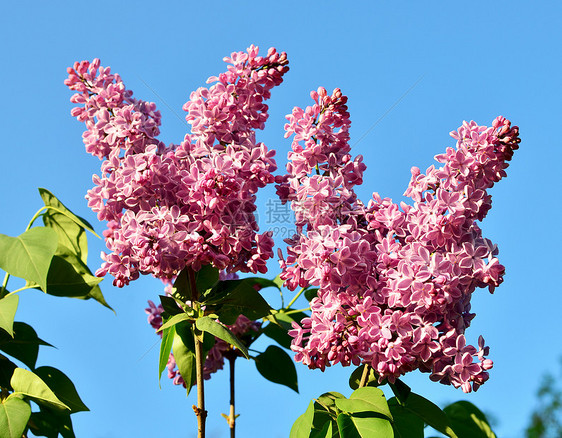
395	281
184	205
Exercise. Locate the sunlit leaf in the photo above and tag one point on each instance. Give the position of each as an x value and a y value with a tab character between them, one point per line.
206	324
8	307
30	385
29	255
14	414
63	388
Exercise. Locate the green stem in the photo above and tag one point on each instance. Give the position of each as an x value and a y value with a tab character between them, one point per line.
296	311
200	411
365	376
200	408
295	298
18	290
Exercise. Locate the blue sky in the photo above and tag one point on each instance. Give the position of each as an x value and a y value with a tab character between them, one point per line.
476	60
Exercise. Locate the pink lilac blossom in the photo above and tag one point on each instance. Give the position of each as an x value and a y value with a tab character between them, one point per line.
186	205
242	328
395	280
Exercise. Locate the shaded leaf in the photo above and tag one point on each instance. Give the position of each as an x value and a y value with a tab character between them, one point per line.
400	390
237	297
277	367
206	278
7	368
430	413
8	307
14	414
32	386
181	288
48	424
468	421
365	426
301	428
311	293
63	388
278	334
406	423
29	255
24	346
206	324
170	305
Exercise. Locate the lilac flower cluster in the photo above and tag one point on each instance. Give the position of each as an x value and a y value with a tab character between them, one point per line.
184	205
395	281
215	358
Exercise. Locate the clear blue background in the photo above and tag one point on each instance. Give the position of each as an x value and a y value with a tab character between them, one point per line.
477	60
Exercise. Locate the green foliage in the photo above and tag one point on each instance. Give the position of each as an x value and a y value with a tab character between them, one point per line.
52	258
8	307
277	366
14	414
29	255
546	420
24	346
209	325
468	421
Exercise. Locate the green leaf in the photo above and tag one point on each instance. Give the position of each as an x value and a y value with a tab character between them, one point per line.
183	348
51	200
301	428
8	307
169	305
63	388
165	349
278	334
277	367
14	414
71	235
176	319
468	421
206	324
70	277
235	298
311	293
363	426
181	288
29	384
346	427
406	424
24	346
430	413
400	390
206	278
46	423
325	432
7	368
366	399
278	282
29	255
262	283
355	378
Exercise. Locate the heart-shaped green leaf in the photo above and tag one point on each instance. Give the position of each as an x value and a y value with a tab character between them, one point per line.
301	428
24	346
29	255
278	367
